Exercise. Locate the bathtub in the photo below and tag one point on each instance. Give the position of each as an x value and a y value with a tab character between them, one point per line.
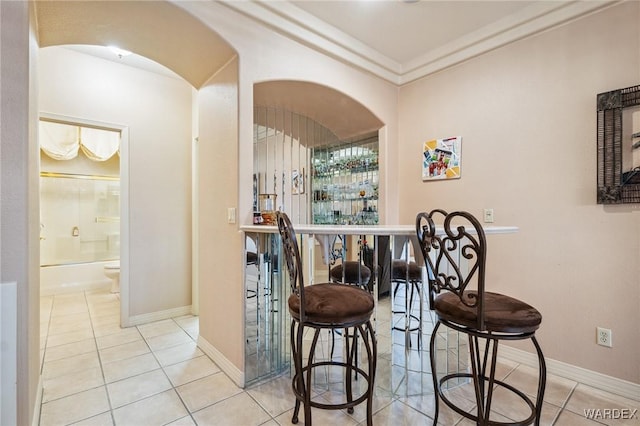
75	277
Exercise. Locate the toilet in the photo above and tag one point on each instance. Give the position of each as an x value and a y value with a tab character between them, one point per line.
112	271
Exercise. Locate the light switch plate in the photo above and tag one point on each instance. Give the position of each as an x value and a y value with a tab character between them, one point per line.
231	215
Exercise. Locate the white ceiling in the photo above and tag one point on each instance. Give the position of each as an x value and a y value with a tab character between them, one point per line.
405	31
397	40
401	41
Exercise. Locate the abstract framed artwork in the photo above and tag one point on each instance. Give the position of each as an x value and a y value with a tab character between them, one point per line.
441	159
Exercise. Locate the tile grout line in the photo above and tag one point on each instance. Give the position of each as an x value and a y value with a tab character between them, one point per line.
173	387
104	379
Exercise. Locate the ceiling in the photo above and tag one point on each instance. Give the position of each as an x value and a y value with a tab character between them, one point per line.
148	28
397	40
403	40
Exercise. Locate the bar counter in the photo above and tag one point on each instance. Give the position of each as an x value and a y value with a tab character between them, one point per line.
385	230
321	246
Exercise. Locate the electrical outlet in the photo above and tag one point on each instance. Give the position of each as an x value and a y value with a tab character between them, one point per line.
488	215
603	337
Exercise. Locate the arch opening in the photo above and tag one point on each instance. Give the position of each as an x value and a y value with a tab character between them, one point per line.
158	30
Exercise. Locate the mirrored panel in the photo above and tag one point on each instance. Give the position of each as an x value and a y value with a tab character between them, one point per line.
304	169
266	316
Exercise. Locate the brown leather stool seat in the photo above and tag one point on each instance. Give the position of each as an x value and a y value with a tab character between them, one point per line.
333	303
502	314
399	271
354	273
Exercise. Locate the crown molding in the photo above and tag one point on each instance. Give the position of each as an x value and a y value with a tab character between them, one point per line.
532	20
297	24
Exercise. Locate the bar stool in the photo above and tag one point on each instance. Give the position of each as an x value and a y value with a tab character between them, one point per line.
456	261
412	281
351	272
326	306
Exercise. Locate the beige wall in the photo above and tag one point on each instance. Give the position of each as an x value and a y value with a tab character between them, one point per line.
156	109
266	55
19	206
31	300
527	116
262	55
220	249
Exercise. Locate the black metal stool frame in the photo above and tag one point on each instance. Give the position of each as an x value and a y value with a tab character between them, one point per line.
472	247
359	322
416	285
346	275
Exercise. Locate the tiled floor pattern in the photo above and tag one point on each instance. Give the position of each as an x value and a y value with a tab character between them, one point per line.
95	373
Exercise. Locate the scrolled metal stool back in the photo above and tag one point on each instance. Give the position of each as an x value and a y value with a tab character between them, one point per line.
292	257
460	238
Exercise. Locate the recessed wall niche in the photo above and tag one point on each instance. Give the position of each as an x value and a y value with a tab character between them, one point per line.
303	168
618	146
283	144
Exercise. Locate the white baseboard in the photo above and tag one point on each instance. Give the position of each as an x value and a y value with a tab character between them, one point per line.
582	375
157	316
223	362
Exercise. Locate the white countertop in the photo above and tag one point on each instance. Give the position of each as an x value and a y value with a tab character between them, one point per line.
361	229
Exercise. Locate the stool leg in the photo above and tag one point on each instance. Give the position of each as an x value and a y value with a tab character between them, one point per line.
432	357
478	390
333	342
297	384
349	352
416	285
542	380
372	354
307	394
355	341
298	380
408	304
479	374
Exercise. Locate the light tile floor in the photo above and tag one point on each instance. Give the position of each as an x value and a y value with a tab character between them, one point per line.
96	373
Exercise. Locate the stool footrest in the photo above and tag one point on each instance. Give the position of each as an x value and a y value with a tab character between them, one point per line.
411	317
473	417
340	406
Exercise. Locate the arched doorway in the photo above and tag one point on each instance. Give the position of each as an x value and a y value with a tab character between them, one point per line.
297	124
169	36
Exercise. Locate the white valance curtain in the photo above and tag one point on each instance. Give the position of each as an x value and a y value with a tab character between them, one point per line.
62	141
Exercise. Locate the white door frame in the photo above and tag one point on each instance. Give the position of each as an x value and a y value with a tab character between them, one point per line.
124	202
